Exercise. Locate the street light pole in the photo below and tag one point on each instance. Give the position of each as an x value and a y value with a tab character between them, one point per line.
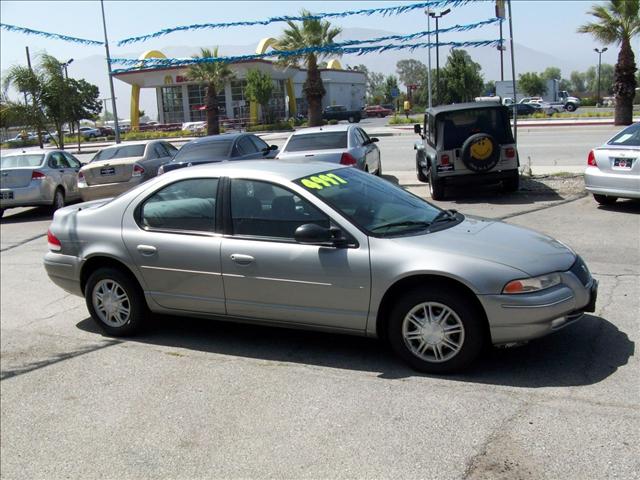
65	65
427	13
438	16
113	96
599	52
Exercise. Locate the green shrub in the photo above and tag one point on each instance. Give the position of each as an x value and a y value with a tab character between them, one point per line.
398	120
271	127
19	143
333	122
152	135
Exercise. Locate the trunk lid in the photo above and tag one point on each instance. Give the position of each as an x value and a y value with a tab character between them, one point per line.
332	156
15	177
618	160
109	171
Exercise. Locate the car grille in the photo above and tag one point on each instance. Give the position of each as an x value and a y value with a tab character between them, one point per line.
580	270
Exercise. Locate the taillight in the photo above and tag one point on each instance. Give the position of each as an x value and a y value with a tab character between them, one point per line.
591	159
347	159
54	243
444	159
137	170
36	175
511	152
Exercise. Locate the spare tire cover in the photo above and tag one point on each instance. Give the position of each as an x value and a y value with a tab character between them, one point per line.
480	152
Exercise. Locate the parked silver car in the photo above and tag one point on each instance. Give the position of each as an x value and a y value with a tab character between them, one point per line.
296	244
342	144
613	170
116	169
37	178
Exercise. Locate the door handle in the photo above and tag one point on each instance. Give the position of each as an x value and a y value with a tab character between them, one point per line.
242	259
147	249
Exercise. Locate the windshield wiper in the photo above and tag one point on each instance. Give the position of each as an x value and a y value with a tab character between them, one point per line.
445	216
405	223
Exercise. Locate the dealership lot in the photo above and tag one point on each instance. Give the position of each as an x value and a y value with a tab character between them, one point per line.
197	398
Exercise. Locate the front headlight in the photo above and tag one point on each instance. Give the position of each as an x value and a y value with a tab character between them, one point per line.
527	285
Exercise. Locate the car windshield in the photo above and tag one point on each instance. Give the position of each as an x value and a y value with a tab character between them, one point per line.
12	161
317	141
376	206
457	126
119	152
630	136
202	152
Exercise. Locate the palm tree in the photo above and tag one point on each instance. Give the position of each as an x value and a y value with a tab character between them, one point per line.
215	76
618	21
30	83
311	33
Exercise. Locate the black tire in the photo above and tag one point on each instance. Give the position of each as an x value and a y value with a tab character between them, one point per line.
379	170
512	184
351	119
58	200
137	306
604	199
419	173
480	152
570	107
436	186
1	212
470	339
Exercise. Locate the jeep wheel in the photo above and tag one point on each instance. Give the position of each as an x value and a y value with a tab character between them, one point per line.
436	187
511	184
419	173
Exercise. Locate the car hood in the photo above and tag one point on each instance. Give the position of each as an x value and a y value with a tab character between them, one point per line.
526	250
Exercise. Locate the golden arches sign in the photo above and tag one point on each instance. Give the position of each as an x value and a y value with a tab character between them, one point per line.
134	112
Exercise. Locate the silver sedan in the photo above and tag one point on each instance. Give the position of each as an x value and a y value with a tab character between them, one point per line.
341	144
309	246
613	170
38	178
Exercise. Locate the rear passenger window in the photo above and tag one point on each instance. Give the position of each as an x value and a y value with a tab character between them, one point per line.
185	205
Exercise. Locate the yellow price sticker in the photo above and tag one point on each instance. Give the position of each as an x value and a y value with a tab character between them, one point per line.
318	182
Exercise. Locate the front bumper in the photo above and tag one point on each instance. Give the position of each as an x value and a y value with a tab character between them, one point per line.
523	317
36	193
64	271
613	184
107	190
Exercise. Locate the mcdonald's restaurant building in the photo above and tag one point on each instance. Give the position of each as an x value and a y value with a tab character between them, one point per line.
181	100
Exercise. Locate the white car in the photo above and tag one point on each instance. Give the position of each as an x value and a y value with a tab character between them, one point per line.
89	132
342	144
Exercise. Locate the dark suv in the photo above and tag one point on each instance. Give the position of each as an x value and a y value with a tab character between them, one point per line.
466	143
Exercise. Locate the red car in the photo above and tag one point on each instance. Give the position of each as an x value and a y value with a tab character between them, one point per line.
377	111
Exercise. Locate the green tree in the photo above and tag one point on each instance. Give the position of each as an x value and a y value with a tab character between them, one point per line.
83	103
57	93
551	73
607	79
461	80
411	71
310	32
214	76
375	88
390	83
259	89
617	22
578	83
532	84
489	88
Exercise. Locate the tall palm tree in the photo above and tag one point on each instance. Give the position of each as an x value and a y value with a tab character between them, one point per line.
30	83
310	33
618	21
215	76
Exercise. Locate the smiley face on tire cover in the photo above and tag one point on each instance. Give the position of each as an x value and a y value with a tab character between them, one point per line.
481	149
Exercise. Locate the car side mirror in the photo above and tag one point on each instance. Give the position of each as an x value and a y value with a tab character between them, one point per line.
417	128
374	139
314	234
273	147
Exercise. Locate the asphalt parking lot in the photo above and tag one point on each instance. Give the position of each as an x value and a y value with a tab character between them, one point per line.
205	399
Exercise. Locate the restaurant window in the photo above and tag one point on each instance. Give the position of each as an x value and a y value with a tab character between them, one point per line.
172	104
197	102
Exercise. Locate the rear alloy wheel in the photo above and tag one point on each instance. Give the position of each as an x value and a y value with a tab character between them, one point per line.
604	199
58	200
436	187
115	302
436	330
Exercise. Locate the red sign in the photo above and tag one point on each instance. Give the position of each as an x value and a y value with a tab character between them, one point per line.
180	79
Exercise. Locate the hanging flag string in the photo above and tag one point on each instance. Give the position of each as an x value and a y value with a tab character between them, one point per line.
170	62
56	36
397	10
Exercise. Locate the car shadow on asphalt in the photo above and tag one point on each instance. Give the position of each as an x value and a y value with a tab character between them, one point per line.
581	354
36	214
623	206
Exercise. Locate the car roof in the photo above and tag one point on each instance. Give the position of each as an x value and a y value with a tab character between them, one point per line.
464	106
217	138
325	128
260	169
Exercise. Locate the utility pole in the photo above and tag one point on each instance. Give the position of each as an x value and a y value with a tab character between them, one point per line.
426	12
438	16
599	52
500	13
113	96
513	76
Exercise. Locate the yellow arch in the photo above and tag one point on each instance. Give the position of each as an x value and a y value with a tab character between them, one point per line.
134	112
334	64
